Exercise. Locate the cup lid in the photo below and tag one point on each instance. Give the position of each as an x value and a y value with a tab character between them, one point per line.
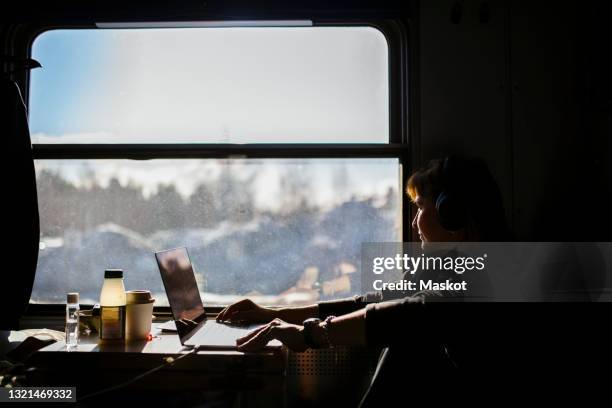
113	273
138	296
72	297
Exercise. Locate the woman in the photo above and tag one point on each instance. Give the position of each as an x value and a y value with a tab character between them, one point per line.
457	201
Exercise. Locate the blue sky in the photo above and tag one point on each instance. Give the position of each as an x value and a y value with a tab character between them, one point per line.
72	67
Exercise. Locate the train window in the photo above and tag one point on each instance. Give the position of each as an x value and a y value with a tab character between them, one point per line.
281	222
279	231
211	85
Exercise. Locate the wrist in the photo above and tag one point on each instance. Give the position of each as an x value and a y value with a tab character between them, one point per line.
316	333
295	315
282	313
319	336
325	325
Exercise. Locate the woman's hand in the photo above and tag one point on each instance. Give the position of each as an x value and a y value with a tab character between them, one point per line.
291	335
246	311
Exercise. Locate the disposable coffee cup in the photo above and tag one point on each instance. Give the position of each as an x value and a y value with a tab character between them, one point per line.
138	314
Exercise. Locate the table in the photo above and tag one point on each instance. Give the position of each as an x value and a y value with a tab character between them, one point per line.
253	378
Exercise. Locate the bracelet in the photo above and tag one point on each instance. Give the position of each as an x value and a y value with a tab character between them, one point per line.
325	326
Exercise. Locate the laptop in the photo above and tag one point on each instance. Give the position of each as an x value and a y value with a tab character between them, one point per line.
193	328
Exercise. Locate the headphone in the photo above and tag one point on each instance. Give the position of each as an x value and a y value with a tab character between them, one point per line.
451	207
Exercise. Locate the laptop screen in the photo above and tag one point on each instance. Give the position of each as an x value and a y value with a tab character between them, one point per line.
181	289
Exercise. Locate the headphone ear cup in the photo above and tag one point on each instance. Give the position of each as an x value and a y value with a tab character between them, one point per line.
452	214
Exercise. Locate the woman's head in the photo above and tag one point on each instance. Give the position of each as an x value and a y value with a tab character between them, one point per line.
457	200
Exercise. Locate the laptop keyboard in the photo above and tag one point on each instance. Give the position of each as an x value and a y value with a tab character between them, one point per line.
217	334
214	334
223	329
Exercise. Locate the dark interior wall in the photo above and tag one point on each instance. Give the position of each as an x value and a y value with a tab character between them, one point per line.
527	90
463	85
556	151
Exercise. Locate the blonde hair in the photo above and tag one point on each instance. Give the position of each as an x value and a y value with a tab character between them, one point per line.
426	181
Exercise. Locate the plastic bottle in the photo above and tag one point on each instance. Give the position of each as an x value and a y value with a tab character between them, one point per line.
112	306
72	320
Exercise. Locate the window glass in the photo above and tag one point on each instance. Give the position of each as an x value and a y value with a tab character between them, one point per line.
210	85
278	231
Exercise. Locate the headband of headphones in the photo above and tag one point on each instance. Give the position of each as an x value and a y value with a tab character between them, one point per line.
451	207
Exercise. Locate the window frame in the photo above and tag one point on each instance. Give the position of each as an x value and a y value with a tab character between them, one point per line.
401	81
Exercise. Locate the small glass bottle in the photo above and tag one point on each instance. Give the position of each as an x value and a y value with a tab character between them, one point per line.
72	320
112	306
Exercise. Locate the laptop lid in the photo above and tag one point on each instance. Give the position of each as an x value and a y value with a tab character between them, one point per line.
182	291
